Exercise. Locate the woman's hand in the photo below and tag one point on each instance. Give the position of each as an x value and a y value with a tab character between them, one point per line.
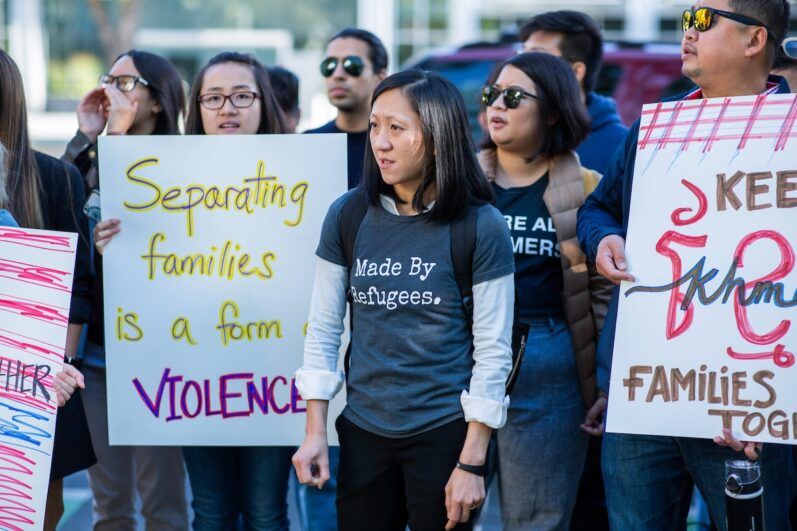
311	461
91	113
66	382
594	422
751	449
464	493
121	113
104	232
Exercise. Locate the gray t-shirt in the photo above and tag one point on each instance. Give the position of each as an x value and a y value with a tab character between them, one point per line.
412	349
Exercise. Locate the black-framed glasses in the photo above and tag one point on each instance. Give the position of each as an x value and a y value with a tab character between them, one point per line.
125	83
703	18
240	100
512	96
352	65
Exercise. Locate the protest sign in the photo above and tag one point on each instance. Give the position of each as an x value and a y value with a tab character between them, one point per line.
208	284
36	270
706	334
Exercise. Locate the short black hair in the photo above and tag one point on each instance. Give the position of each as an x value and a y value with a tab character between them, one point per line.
450	163
558	98
286	88
581	39
774	14
376	50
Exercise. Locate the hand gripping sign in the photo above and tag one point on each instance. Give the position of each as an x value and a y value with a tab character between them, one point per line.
207	286
706	336
36	271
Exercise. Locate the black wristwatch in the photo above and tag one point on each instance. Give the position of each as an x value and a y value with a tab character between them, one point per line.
479	470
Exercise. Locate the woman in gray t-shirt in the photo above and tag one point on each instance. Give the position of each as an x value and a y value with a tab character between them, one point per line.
425	378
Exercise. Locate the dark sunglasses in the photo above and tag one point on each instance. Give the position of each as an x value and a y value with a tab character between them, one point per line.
703	18
790	47
512	96
124	83
352	65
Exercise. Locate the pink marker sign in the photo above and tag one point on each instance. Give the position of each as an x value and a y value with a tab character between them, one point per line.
36	269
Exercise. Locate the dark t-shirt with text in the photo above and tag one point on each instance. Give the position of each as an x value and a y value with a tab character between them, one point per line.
538	267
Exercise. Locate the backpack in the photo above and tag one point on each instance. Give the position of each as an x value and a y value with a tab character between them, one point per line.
463	246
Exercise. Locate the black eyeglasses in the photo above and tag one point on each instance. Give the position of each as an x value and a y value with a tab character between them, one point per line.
512	96
125	83
239	100
703	18
352	65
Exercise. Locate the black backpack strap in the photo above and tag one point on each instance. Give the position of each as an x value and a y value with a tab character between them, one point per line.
351	217
463	247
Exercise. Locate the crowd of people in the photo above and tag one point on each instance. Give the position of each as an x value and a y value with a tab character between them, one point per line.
526	234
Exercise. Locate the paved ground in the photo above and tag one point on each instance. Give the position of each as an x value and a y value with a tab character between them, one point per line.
77	504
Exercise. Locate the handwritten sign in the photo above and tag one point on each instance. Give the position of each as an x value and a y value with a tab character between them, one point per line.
208	284
706	335
36	269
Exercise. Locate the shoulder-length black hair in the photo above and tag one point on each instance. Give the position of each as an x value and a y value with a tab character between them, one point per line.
166	88
563	115
271	117
450	160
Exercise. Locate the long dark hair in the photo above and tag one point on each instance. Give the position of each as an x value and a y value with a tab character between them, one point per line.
22	174
563	115
271	118
166	88
450	160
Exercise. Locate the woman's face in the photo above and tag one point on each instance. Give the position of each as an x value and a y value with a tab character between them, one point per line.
519	128
225	79
148	107
397	139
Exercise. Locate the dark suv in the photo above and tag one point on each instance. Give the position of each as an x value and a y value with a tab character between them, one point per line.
633	74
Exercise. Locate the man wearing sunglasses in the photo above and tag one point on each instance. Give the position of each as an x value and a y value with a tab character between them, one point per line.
576	38
354	64
728	49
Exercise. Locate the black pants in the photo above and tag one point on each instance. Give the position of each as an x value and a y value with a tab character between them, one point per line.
385	483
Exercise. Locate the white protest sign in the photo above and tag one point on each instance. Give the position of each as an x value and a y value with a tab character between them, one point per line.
208	284
36	271
706	335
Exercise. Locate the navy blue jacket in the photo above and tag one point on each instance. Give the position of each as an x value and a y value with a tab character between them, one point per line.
605	212
607	133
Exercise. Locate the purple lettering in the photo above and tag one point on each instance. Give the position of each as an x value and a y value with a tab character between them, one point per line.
274	407
184	399
208	410
255	397
224	395
156	406
296	398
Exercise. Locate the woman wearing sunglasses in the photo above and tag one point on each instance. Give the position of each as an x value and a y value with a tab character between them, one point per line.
141	94
424	388
232	95
536	119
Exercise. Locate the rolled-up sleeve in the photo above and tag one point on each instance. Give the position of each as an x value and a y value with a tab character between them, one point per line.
493	304
319	378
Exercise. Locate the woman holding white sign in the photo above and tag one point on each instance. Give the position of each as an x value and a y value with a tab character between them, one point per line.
141	94
426	378
232	95
536	118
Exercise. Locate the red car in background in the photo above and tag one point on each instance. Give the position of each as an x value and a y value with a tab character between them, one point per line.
633	74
